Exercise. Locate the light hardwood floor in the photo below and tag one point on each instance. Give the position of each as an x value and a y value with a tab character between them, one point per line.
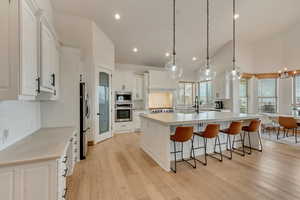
117	169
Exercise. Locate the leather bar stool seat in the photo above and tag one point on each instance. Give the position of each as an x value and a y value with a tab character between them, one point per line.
288	123
234	129
253	128
182	135
211	131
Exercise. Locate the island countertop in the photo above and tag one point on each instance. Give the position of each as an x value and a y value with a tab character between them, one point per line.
44	144
192	118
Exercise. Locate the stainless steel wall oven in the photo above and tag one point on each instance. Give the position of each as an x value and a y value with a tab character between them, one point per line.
123	107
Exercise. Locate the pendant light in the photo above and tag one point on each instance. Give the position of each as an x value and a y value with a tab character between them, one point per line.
235	73
172	66
207	73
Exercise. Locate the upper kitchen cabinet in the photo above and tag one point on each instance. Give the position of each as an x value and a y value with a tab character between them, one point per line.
49	57
161	80
22	56
18	49
139	87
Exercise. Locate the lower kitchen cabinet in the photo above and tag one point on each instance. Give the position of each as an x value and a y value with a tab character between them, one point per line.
124	127
40	179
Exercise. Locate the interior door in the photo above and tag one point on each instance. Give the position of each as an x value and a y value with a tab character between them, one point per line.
103	104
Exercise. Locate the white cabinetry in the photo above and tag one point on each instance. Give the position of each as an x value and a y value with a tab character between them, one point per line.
139	87
123	127
18	49
161	80
49	57
29	51
40	180
21	49
137	119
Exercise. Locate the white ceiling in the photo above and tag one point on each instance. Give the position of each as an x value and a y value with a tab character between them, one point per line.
147	25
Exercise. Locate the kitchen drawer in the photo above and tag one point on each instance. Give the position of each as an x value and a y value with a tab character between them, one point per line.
124	127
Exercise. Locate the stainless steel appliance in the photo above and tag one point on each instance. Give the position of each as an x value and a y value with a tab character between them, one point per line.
219	104
84	116
123	107
162	110
123	98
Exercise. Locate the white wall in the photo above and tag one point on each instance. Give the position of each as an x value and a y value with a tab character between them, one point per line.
65	111
20	118
97	50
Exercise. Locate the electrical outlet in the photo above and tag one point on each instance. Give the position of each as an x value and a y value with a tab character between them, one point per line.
4	135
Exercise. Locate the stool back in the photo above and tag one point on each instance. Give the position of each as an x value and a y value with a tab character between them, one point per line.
254	125
183	134
211	131
235	128
287	122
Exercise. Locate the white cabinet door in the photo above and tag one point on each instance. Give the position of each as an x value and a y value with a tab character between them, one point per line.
9	50
29	50
139	88
7	182
36	181
55	71
46	57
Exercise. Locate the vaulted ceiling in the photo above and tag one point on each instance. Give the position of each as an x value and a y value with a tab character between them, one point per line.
147	25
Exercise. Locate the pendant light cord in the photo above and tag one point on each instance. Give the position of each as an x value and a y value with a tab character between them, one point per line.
174	32
234	34
207	34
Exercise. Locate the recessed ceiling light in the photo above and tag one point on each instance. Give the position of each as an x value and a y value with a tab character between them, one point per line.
117	16
194	58
135	50
167	54
236	16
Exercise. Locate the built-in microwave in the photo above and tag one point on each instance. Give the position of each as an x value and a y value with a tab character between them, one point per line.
123	97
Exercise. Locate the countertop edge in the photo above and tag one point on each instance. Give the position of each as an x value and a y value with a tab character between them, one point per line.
28	159
198	121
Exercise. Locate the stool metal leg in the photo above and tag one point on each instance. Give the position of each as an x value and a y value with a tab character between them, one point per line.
220	148
296	133
174	170
205	150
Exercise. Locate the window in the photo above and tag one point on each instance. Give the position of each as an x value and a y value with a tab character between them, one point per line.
297	90
267	95
186	93
244	95
205	93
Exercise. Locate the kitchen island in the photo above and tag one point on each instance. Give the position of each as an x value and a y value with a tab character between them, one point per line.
157	128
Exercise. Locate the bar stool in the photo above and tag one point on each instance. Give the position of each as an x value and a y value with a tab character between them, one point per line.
234	129
253	128
182	134
211	131
288	123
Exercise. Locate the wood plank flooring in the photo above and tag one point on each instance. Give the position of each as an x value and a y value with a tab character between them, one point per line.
117	169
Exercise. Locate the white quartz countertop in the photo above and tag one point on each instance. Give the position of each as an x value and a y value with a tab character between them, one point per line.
44	144
192	118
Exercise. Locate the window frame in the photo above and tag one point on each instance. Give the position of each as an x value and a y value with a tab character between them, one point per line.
295	103
208	98
194	88
247	95
268	97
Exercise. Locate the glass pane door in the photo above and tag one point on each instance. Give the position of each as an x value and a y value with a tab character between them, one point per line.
104	100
